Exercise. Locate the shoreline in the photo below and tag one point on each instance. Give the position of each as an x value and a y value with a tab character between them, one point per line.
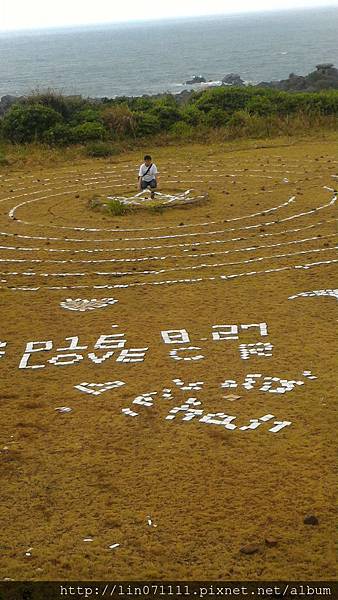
324	78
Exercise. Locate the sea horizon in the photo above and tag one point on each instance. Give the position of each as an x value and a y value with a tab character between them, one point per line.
164	20
158	56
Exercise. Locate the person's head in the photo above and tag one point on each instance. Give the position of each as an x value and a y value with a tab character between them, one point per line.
147	160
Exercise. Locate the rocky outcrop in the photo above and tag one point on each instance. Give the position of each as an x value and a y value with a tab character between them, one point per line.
324	77
233	79
196	79
6	102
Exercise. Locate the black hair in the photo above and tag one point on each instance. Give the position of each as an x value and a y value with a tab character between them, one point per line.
147	157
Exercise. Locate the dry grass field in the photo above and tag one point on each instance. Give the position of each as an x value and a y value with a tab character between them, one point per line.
222	488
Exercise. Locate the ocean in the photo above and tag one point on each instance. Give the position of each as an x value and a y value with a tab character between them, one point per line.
154	57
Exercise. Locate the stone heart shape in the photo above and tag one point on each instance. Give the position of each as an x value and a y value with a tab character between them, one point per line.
81	305
98	388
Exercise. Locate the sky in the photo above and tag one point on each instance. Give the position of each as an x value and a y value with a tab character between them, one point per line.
39	14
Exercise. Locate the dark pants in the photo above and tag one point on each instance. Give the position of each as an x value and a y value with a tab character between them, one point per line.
152	184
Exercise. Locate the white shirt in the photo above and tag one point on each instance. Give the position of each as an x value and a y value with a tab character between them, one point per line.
151	174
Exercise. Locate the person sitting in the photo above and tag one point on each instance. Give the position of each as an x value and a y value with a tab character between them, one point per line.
148	175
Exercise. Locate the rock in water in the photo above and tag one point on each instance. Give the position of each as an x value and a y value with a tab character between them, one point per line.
196	79
233	79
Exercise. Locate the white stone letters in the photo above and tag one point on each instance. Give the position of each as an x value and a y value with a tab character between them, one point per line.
32	348
260	349
225	332
174	354
2	352
176	336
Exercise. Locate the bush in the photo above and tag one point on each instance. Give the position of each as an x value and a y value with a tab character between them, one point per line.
288	103
60	135
146	124
115	207
244	124
328	102
225	98
135	104
63	120
166	114
216	117
119	120
66	106
182	130
191	115
29	123
87	132
87	115
240	118
260	105
101	150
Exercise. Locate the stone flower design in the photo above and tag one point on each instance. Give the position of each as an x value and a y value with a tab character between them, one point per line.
82	305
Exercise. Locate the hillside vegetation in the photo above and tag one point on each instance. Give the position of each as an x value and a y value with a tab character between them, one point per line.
105	127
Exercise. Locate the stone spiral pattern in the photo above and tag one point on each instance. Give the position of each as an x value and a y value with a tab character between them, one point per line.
42	250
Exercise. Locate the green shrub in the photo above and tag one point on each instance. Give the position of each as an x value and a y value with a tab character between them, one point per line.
166	114
216	117
87	132
29	123
191	115
146	124
87	115
260	105
182	129
225	98
244	124
101	150
264	101
60	135
329	102
240	118
63	120
66	106
116	208
288	103
136	104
